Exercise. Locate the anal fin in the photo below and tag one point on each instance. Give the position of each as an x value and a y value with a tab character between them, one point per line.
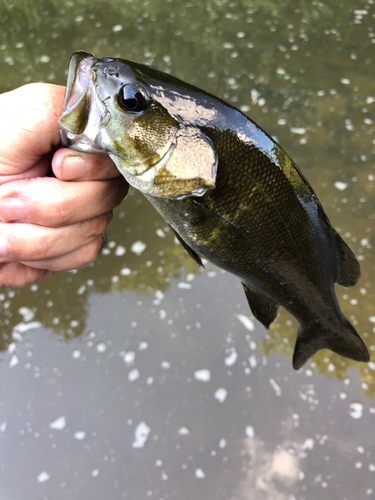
349	270
189	250
263	308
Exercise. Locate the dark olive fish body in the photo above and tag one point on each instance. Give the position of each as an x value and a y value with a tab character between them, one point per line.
229	192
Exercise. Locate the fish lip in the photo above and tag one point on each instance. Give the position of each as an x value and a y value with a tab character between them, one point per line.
81	81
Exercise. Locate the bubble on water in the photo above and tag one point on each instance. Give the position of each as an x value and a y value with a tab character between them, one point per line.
13	360
340	185
276	387
184	285
133	375
345	81
117	27
120	250
125	271
203	375
221	394
308	444
143	346
232	358
298	130
222	443
138	247
128	357
165	364
200	474
356	410
95	473
160	233
246	321
76	354
183	431
3	426
249	431
43	476
101	347
80	435
27	313
141	434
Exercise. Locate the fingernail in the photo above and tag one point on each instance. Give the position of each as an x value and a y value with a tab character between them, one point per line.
74	167
13	209
3	247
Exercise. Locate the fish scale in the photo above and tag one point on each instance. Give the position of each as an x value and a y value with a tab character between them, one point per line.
229	192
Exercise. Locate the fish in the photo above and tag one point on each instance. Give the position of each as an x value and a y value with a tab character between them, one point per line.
230	193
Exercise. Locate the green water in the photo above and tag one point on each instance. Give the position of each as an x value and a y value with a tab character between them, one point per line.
123	342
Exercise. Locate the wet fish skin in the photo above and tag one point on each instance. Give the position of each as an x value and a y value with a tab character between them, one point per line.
227	189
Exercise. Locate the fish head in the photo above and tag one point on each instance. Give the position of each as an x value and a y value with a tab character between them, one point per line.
147	122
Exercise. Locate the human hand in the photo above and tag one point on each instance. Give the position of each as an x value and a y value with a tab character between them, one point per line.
48	224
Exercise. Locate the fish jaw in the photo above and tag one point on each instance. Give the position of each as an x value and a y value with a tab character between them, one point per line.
83	112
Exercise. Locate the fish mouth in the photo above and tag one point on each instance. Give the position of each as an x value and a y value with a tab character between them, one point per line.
83	113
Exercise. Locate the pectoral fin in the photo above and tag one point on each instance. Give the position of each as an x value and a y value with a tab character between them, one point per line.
189	250
263	309
349	270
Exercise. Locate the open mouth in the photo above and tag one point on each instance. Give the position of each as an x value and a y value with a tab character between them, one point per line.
83	112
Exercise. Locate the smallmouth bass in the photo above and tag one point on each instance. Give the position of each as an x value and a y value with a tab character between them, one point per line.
228	190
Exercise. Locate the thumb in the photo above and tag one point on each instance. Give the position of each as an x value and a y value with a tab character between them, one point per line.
29	126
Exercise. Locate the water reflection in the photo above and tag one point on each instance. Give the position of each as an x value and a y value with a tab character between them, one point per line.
304	73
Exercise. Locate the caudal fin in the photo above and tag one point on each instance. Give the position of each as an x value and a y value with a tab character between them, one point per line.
345	342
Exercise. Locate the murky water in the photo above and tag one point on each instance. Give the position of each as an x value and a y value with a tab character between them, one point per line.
144	377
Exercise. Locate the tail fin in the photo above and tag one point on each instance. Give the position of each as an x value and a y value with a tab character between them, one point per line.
345	342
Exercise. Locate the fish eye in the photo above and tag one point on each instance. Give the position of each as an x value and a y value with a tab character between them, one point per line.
132	98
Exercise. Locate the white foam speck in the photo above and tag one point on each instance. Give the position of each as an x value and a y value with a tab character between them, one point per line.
298	130
138	247
308	444
133	375
340	185
200	474
345	81
222	443
43	476
276	387
117	27
143	346
165	364
160	233
184	285
59	424
3	426
221	394
95	473
162	314
232	358
13	360
27	313
24	327
183	431
203	375
141	434
101	347
120	250
76	354
246	321
249	431
129	357
356	410
125	271
80	435
253	361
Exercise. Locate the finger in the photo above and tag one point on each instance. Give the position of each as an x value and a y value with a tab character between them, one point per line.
50	202
16	274
29	125
28	242
40	169
69	165
77	259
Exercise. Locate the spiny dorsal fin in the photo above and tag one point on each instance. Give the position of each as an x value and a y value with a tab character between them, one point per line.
263	309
